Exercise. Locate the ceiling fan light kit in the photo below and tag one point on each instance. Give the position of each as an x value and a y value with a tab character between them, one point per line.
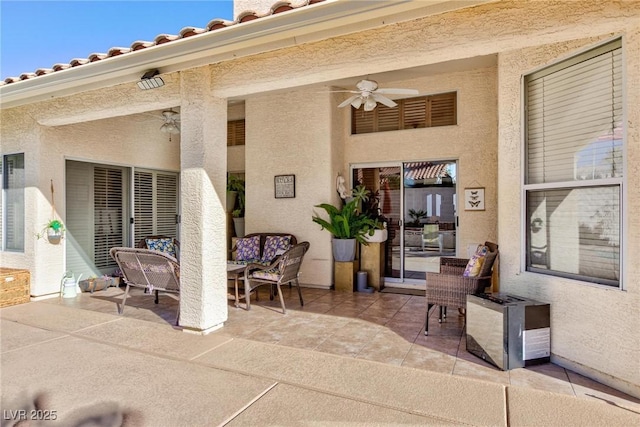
370	95
170	124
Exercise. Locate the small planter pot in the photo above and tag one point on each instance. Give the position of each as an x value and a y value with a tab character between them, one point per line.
238	225
344	250
379	236
54	236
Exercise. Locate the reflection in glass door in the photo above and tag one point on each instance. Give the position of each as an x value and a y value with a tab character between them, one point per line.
418	202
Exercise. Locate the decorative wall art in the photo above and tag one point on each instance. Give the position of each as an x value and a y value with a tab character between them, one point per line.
285	186
474	199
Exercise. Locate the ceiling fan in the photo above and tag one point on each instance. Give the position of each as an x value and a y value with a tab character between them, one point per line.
170	125
369	94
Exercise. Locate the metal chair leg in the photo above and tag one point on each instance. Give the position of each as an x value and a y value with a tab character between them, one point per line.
426	321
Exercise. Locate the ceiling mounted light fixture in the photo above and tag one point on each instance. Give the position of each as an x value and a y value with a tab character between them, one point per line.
170	124
150	81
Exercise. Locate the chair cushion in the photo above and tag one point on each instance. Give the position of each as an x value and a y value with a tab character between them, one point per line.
487	265
273	274
162	245
248	249
273	246
474	266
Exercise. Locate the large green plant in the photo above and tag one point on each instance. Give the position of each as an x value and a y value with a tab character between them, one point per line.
346	223
235	183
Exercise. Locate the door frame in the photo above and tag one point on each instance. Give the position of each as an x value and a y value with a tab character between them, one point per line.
402	282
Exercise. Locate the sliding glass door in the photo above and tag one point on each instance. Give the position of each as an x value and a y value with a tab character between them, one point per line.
418	201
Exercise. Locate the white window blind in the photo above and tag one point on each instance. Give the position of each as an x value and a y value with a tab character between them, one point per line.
108	214
575	167
13	205
155	204
574	120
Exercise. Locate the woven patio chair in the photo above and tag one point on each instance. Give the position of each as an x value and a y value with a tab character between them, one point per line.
449	288
285	270
161	243
147	269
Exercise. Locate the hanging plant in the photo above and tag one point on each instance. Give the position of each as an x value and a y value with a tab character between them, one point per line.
53	231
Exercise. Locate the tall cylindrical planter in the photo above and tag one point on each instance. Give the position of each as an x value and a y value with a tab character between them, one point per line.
344	250
238	224
231	201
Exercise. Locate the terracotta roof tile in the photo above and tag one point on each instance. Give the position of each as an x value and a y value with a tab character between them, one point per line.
215	24
78	61
191	31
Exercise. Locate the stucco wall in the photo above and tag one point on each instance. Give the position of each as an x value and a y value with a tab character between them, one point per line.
128	141
588	322
291	134
472	142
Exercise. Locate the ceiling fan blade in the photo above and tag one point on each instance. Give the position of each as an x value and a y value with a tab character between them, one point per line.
348	101
384	100
391	91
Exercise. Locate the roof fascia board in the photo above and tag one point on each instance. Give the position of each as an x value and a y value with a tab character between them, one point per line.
326	19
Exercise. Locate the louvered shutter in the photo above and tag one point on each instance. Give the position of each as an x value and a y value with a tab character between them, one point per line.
143	205
108	209
414	113
387	118
166	204
442	111
156	204
236	133
410	113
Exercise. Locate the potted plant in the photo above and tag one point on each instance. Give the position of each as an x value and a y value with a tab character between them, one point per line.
416	216
53	230
370	207
235	185
348	226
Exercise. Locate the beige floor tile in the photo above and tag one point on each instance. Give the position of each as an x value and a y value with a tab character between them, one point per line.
386	347
588	388
286	405
480	370
431	360
529	407
547	377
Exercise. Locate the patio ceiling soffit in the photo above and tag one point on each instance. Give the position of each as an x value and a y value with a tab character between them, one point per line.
222	40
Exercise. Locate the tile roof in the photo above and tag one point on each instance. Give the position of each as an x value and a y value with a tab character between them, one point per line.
216	24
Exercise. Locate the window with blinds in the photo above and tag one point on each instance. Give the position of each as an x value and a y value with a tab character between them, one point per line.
12	199
574	166
155	204
410	113
235	133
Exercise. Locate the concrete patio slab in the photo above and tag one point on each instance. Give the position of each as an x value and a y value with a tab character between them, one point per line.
155	338
55	317
286	405
15	335
432	394
72	373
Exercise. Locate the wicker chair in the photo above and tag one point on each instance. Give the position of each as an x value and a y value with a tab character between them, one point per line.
450	288
148	269
142	244
284	270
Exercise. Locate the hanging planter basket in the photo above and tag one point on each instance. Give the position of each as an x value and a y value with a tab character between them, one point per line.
54	236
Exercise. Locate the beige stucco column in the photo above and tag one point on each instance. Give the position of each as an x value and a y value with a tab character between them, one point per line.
203	158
